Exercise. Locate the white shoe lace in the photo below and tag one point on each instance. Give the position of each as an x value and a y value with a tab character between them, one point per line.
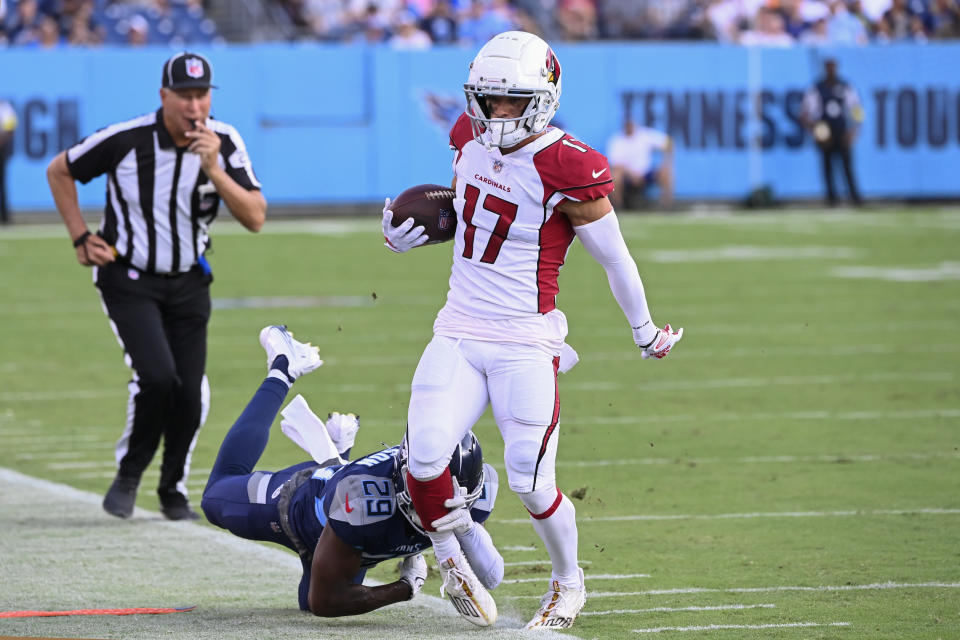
454	580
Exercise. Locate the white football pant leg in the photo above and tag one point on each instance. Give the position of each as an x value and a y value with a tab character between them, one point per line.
448	395
526	406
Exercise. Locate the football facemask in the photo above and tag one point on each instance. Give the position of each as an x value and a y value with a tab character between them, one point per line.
514	64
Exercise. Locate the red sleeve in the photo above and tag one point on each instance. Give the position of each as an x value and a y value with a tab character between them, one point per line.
572	168
461	133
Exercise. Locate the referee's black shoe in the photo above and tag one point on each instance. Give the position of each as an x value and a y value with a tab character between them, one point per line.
121	496
176	507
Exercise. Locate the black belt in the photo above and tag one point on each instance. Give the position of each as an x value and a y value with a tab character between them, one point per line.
155	274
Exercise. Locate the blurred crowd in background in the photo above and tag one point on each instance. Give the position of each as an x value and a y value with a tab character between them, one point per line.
414	24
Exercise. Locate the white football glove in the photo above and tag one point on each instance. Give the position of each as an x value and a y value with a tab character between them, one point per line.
661	344
458	520
343	428
402	237
413	571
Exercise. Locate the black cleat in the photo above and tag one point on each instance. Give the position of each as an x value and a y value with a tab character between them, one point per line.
121	496
177	508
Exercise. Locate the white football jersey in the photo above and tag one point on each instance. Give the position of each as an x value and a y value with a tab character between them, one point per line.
511	241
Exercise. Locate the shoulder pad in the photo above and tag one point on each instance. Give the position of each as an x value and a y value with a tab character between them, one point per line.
574	169
461	133
362	499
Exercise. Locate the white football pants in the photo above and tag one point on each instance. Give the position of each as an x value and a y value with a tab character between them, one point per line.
456	380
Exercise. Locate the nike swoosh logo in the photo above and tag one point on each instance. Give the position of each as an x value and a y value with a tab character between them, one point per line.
348	507
597	174
663	340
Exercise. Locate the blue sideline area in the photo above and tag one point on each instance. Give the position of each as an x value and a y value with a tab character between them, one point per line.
345	124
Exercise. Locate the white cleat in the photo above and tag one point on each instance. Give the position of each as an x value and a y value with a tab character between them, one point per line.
560	607
301	357
462	588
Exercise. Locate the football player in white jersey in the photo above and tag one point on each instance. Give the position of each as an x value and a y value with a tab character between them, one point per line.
524	191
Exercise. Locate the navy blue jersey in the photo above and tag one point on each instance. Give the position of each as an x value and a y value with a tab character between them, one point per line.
359	502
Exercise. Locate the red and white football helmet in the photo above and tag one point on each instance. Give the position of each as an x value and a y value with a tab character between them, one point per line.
515	64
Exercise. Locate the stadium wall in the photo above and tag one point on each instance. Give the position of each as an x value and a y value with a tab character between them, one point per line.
328	125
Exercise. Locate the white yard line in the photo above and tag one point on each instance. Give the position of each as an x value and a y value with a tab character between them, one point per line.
719	607
225	227
596	576
545	561
719	627
732	253
779	514
786	459
780	381
763	351
876	586
910	414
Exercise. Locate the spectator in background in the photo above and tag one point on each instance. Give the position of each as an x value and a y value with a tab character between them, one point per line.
486	19
328	19
48	33
845	28
23	27
634	167
768	31
407	35
896	22
918	32
542	14
375	29
793	20
578	19
8	124
855	7
137	31
81	27
440	24
945	19
724	18
832	113
817	34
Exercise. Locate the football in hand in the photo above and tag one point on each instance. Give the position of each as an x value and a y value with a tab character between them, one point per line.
430	206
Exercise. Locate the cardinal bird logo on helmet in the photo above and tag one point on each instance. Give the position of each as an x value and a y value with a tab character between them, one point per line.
553	67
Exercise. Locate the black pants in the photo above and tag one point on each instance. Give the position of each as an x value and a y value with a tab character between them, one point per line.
841	151
161	323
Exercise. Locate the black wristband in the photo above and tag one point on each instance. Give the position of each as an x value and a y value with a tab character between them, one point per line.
82	239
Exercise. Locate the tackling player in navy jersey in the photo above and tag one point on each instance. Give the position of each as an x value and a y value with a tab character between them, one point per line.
342	517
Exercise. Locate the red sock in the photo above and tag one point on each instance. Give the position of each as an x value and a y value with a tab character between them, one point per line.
428	497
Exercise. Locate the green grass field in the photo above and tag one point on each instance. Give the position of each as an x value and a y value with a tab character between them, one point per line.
792	470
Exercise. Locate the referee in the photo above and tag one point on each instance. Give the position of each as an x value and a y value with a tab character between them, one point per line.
167	172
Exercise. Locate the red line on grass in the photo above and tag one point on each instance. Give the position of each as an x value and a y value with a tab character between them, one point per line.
95	612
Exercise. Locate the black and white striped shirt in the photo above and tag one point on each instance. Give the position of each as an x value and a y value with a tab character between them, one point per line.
159	202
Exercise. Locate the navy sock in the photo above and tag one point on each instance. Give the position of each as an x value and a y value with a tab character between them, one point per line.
281	364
